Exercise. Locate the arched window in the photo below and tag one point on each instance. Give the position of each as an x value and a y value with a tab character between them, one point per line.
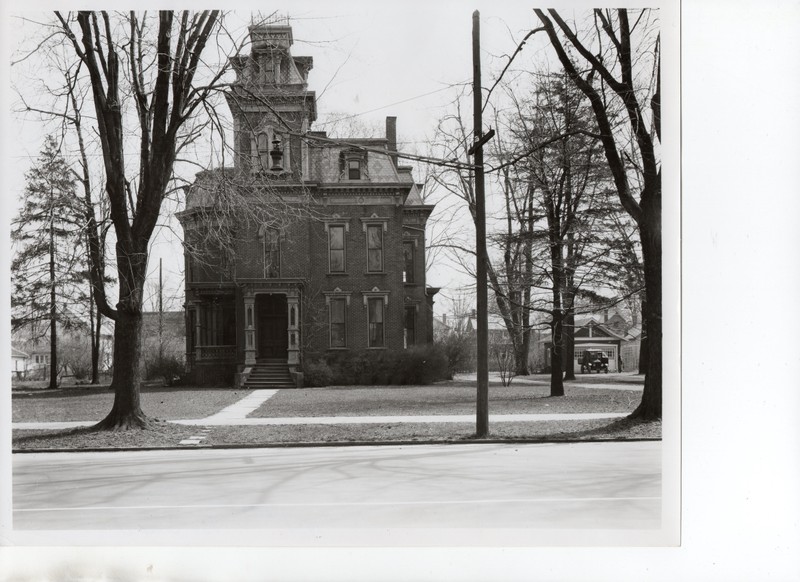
263	145
272	253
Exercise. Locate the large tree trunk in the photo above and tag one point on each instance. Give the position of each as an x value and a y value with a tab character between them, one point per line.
650	228
126	412
556	362
521	350
556	260
569	343
96	336
643	343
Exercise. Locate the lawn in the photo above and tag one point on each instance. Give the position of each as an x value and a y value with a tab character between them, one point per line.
87	403
457	397
447	398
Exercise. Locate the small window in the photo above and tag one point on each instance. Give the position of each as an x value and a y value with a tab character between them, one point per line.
264	144
338	323
410	330
353	169
336	262
272	254
263	152
375	248
408	262
375	321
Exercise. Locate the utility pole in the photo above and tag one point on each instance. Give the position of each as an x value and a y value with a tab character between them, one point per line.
482	405
160	313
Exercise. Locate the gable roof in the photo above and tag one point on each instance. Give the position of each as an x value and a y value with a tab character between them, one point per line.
598	330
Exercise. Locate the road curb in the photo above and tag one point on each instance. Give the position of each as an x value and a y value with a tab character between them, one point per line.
336	444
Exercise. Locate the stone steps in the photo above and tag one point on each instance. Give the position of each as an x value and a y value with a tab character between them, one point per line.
269	375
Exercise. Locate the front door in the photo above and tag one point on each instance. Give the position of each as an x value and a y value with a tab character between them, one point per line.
273	321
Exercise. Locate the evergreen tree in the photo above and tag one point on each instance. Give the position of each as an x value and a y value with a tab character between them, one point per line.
568	186
46	267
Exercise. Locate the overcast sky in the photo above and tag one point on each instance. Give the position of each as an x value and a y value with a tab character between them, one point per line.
406	59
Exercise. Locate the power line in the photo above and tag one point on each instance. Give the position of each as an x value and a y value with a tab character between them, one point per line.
337	120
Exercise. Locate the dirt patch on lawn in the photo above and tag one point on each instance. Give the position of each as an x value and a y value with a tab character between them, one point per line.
164	434
160	434
599	429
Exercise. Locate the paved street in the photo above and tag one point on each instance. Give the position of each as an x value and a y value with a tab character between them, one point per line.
547	486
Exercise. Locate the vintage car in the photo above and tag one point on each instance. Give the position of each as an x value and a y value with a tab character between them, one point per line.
594	361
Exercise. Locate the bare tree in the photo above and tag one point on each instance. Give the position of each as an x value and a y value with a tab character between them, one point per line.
561	169
510	275
152	60
614	51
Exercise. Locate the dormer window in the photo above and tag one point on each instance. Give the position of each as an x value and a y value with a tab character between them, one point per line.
353	169
353	165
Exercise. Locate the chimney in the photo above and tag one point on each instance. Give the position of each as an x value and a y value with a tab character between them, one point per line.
391	137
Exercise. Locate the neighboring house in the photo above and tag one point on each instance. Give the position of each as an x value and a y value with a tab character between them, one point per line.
346	273
591	335
612	335
74	345
19	363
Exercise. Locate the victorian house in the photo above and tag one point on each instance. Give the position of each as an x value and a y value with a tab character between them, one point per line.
325	248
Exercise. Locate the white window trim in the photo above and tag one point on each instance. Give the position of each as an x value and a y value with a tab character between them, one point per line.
337	294
353	155
336	221
375	220
376	294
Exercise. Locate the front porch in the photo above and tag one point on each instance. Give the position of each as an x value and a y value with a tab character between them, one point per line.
230	331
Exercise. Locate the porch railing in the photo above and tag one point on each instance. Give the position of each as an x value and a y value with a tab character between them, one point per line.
215	352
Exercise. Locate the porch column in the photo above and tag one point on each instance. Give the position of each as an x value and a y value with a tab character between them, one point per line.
249	330
293	329
198	328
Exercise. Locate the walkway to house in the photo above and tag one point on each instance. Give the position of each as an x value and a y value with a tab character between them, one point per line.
236	415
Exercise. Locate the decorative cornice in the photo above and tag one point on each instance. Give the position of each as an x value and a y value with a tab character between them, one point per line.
336	219
375	219
375	293
337	293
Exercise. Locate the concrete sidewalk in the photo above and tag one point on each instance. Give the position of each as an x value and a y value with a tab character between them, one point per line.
444	418
529	381
236	415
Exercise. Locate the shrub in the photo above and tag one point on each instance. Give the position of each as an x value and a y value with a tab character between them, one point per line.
168	367
317	373
459	352
416	365
503	356
420	365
